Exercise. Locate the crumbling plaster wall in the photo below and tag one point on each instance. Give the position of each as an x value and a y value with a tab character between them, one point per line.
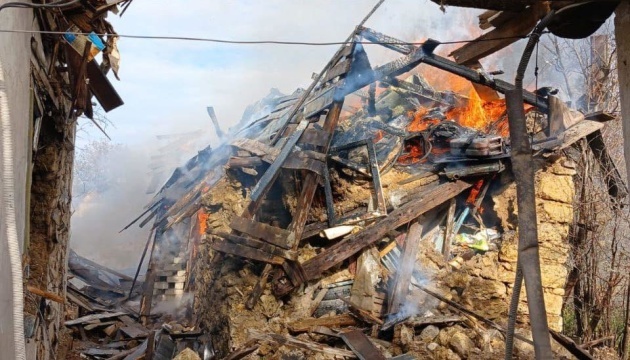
15	55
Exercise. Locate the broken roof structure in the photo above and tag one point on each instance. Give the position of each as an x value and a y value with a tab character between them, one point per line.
332	190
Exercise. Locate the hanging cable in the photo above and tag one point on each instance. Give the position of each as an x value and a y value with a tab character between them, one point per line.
54	5
255	42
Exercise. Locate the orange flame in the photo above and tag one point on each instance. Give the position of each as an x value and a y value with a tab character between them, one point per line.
478	114
202	221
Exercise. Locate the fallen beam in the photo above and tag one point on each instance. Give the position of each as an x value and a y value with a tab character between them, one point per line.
351	245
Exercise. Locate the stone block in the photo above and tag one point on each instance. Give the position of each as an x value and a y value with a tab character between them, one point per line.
555	188
555	212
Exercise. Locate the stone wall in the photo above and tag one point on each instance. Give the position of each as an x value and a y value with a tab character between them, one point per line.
484	283
50	230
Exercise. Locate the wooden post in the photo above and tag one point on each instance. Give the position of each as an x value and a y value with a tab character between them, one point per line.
622	27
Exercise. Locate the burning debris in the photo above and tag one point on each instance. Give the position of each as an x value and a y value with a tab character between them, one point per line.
367	216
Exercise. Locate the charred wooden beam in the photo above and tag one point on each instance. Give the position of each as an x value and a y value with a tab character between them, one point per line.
351	245
259	245
245	251
265	182
425	55
509	32
268	233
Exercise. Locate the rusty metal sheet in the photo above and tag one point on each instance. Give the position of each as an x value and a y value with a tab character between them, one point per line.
361	345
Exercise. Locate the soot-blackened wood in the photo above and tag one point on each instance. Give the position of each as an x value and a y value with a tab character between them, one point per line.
259	287
498	38
405	269
386	41
351	245
259	245
361	345
246	252
311	181
265	182
268	233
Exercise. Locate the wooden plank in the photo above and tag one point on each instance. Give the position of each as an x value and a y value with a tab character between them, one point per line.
337	321
498	38
352	244
290	341
386	41
246	252
45	294
91	327
433	320
448	233
265	182
314	137
238	162
102	88
247	348
135	331
258	288
361	345
405	269
258	245
318	299
341	68
271	234
93	317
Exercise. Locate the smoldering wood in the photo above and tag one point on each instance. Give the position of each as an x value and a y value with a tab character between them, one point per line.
405	269
371	234
433	320
361	313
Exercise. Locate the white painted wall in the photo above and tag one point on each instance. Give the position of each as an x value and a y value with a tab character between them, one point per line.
15	56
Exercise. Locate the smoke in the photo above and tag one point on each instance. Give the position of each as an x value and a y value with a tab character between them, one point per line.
99	215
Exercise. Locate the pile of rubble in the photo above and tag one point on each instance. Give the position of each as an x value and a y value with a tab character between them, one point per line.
374	221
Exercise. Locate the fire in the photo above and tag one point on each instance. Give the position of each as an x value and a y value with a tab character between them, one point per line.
478	114
202	219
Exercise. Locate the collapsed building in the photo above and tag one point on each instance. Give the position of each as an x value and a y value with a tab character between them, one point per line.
372	215
376	209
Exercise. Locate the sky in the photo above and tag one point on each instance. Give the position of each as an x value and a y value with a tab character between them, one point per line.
167	85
